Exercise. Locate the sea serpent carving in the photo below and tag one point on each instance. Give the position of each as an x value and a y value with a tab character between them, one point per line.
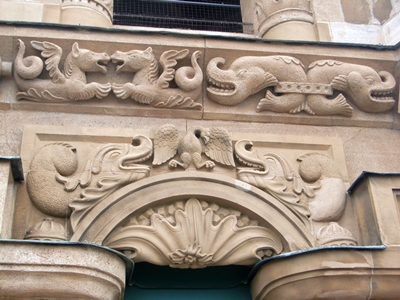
63	86
58	191
148	87
317	92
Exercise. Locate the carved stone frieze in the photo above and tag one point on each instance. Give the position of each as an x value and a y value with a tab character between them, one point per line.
194	236
216	143
317	92
150	88
56	189
70	84
284	196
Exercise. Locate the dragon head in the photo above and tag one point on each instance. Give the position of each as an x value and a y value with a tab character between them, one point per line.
133	60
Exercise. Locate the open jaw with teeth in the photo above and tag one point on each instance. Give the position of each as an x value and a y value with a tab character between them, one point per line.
382	96
221	88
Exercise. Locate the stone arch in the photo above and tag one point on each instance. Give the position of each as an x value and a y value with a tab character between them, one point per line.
225	191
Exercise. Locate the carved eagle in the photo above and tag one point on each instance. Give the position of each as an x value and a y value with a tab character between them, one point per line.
214	142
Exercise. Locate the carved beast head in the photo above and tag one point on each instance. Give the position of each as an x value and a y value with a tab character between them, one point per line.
87	60
133	61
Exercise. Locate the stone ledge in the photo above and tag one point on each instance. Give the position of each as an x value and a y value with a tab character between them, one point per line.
30	269
330	274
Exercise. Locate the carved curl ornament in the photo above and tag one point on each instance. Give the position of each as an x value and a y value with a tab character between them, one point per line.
188	219
290	87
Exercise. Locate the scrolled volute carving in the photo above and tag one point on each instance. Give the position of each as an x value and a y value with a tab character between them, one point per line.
272	173
315	192
107	168
317	92
194	236
63	86
148	87
216	143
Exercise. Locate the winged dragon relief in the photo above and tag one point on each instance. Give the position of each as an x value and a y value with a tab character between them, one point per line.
70	84
59	188
148	87
215	143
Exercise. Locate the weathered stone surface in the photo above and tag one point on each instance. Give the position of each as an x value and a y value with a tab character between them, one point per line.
60	271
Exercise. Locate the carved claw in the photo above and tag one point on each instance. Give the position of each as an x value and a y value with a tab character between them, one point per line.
209	164
122	91
342	106
173	164
340	83
103	90
267	103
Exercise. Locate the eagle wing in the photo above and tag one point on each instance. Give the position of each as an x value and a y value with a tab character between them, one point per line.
219	146
168	61
166	142
53	54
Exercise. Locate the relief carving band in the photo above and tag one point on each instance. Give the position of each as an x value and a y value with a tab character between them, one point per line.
317	92
148	87
112	195
67	85
173	88
215	143
55	191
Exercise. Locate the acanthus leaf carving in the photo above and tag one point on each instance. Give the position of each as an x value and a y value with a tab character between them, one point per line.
67	85
108	168
148	87
296	90
273	174
215	142
193	240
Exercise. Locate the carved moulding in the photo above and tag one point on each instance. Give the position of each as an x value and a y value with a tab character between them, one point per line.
194	234
114	222
316	92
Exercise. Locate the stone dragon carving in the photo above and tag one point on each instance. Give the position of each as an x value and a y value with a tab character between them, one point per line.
148	87
56	190
67	85
315	194
296	91
194	235
215	143
272	173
